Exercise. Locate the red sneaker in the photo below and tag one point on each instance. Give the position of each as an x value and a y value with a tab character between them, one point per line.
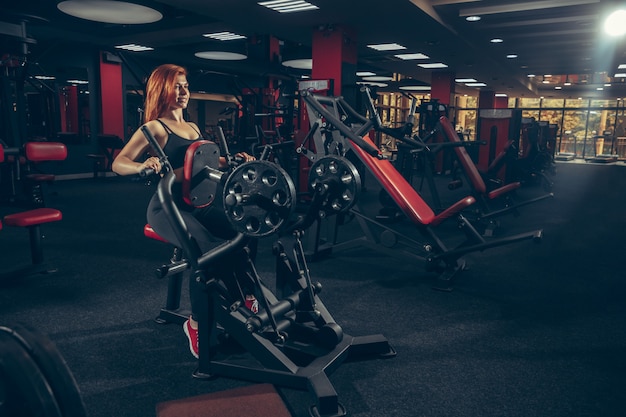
252	303
192	335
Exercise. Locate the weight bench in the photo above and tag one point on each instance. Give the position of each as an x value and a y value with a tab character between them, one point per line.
32	220
173	271
485	196
439	258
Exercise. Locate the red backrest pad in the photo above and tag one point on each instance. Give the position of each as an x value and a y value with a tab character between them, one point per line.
400	191
468	165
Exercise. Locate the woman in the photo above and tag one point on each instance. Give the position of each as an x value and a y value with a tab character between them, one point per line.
167	95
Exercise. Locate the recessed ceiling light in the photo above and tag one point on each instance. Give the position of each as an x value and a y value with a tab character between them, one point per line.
106	11
45	77
433	65
465	80
415	88
620	75
306	63
386	47
531	75
407	57
364	73
134	47
83	82
558	87
496	40
476	85
500	95
378	78
621	66
511	56
221	55
224	36
473	18
288	6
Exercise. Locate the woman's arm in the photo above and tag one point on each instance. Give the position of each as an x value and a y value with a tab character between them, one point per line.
125	163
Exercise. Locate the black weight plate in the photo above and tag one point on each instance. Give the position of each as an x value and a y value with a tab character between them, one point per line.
259	196
342	180
53	367
25	389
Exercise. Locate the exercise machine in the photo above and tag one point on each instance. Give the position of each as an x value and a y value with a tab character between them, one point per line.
293	341
445	261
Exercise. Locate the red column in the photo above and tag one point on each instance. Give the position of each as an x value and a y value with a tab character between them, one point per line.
335	56
501	103
112	99
442	87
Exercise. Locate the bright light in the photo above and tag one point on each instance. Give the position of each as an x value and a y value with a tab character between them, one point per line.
615	24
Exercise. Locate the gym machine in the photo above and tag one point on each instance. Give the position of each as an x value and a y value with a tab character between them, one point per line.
445	262
293	341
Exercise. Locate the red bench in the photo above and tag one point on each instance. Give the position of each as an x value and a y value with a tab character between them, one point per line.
32	220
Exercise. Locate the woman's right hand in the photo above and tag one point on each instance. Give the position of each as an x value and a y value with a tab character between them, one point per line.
152	163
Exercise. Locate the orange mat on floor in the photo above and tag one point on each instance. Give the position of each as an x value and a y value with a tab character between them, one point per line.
259	400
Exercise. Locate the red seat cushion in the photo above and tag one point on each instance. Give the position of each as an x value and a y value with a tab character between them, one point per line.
33	217
45	151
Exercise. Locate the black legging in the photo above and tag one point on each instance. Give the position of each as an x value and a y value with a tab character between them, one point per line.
209	226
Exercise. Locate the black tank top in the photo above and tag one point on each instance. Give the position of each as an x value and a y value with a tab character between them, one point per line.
176	147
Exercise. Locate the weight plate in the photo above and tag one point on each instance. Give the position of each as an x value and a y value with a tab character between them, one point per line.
259	196
52	368
341	180
25	389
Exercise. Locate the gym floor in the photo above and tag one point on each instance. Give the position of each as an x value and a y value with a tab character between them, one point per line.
528	330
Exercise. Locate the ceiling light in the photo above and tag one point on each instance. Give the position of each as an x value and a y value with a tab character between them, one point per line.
83	82
378	78
107	11
620	75
223	36
557	87
221	55
288	6
386	47
415	88
531	75
305	63
476	85
615	24
567	83
500	95
496	40
473	18
364	73
600	88
412	56
433	65
621	66
465	80
45	77
511	56
134	47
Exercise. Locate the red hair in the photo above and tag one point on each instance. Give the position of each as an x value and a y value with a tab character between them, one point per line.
160	90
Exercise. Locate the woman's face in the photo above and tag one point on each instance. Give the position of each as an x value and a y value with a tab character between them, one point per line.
182	93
